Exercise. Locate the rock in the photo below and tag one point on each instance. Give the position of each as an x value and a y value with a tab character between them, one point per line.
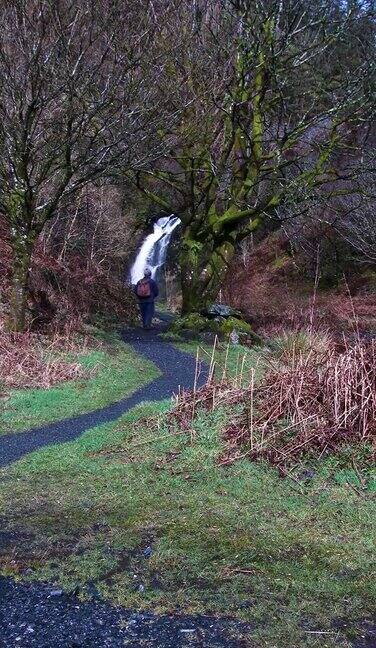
219	310
234	337
242	329
193	322
306	474
198	325
138	617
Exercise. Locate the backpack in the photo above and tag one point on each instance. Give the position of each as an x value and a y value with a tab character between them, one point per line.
143	288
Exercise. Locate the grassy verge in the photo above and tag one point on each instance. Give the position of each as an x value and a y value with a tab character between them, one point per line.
235	360
117	371
146	514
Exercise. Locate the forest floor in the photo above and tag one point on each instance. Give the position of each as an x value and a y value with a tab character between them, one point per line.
146	540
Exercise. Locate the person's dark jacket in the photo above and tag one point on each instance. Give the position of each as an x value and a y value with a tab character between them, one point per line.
154	291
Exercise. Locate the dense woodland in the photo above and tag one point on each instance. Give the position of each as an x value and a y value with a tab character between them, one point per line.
246	118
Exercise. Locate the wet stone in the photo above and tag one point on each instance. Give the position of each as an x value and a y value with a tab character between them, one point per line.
219	310
56	593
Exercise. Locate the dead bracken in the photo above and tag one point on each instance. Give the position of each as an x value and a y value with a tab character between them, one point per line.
33	360
311	402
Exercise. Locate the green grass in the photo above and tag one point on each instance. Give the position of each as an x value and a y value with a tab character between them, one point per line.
238	360
291	559
117	372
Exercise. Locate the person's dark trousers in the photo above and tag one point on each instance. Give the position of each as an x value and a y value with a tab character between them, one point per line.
147	313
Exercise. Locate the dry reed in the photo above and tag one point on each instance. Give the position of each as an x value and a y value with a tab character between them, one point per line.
310	402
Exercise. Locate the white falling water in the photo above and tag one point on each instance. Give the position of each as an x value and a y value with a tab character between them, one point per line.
153	251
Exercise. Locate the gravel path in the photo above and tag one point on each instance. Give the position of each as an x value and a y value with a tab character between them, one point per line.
177	368
36	615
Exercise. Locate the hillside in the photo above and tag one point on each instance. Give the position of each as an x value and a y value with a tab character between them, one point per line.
71	281
276	289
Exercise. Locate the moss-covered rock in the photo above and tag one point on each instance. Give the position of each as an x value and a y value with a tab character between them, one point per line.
242	328
192	322
219	310
234	323
198	324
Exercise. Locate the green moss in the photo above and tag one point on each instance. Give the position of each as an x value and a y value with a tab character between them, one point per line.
281	261
192	322
242	328
197	323
370	276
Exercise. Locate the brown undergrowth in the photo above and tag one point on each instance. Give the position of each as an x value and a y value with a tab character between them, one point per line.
273	290
69	289
65	294
35	360
310	400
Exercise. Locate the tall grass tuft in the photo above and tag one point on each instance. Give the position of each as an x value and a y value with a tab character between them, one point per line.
311	398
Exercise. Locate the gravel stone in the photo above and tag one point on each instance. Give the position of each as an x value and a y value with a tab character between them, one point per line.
31	619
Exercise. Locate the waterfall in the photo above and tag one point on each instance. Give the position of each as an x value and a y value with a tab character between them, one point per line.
153	251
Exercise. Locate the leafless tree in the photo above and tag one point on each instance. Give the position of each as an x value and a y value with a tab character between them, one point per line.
338	227
275	88
77	99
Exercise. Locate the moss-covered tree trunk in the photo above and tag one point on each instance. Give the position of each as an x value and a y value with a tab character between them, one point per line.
22	247
20	213
203	267
248	154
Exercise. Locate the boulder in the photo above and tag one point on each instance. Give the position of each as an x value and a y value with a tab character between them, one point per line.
200	326
193	322
243	330
219	310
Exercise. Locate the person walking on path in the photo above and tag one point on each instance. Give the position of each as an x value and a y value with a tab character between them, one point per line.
146	291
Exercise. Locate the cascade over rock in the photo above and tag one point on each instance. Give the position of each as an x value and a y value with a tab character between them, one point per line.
153	251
